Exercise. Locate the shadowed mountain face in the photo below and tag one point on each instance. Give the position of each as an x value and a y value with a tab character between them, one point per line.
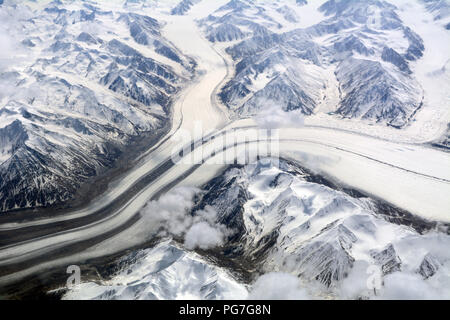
87	81
439	8
165	272
287	219
87	89
91	82
362	49
282	218
183	7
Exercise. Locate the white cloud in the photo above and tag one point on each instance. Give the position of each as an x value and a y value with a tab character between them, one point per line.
273	117
13	54
404	286
278	286
171	211
411	286
355	285
170	215
7	46
11	34
203	236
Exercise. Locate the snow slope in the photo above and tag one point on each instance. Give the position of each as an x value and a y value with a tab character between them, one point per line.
285	219
82	84
335	52
165	272
408	175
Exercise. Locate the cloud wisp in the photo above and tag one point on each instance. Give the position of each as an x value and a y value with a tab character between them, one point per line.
273	117
278	286
170	214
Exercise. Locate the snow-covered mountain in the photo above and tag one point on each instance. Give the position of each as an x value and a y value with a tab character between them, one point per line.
351	58
444	142
87	86
283	218
440	10
183	7
287	219
87	79
85	83
165	272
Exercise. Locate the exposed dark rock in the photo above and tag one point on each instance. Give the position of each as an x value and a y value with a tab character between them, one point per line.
183	7
392	56
387	259
429	266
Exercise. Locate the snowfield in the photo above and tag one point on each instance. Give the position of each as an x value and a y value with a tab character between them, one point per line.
396	166
165	272
332	240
